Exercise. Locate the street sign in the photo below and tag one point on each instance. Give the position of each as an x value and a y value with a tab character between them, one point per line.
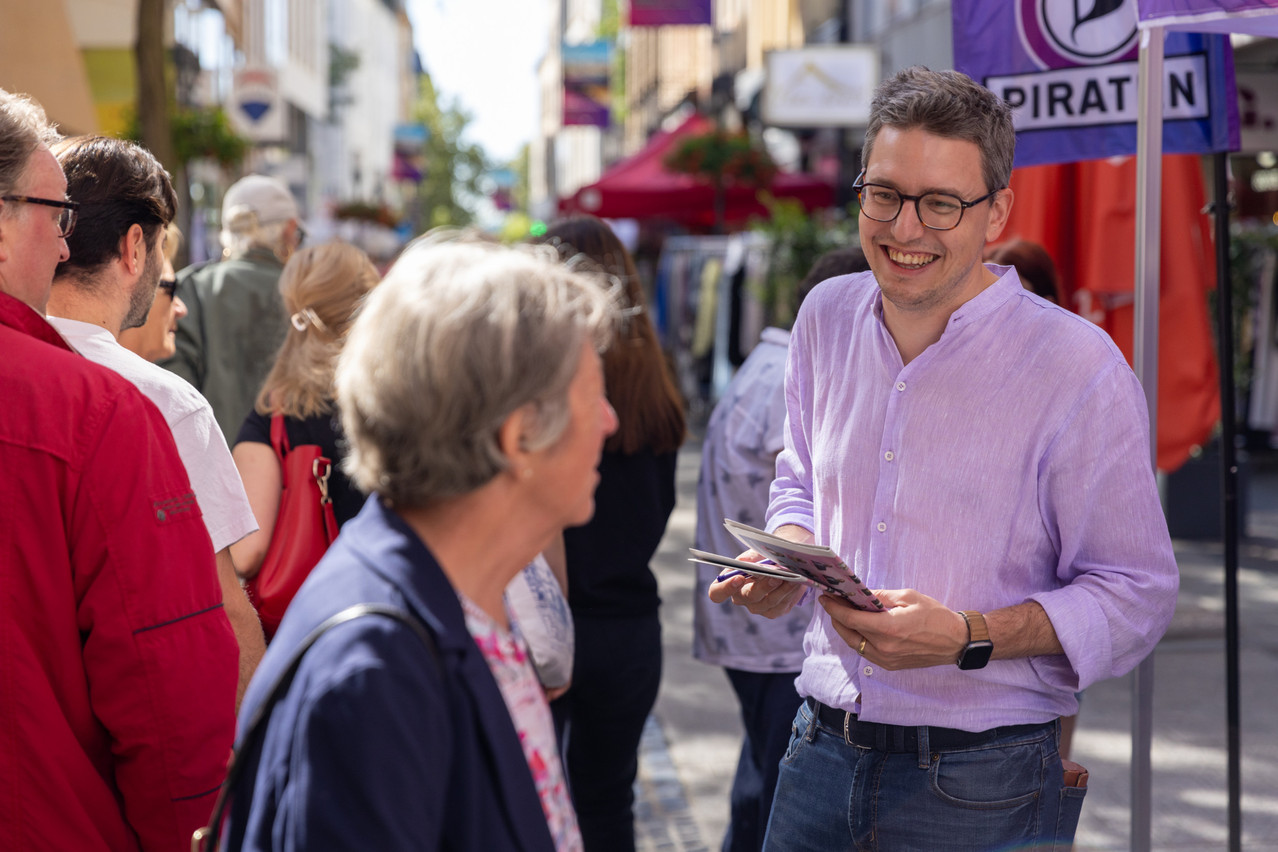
256	109
822	86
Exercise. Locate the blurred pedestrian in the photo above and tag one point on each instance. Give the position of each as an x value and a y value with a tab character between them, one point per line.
119	663
472	394
612	592
1033	264
761	658
935	442
234	323
321	289
155	339
109	283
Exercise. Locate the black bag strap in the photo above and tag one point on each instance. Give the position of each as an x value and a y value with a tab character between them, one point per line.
207	838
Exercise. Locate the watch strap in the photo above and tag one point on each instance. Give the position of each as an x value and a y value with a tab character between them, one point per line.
977	629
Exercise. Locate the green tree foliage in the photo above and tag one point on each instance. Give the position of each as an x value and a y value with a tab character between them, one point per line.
453	166
797	239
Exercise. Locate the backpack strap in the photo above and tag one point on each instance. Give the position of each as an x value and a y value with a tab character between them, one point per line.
206	839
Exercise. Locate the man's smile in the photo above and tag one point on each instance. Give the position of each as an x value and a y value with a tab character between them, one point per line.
910	260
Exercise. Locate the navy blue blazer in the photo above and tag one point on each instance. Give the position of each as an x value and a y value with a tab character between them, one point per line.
376	745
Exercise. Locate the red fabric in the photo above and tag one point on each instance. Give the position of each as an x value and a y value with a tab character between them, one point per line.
305	526
1084	214
117	664
640	187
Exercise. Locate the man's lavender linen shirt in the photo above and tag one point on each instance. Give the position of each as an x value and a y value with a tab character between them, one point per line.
1008	462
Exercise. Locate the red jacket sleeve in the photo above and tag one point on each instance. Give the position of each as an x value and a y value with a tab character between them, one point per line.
159	655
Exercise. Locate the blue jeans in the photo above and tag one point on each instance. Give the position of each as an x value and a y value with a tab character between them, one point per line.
1003	794
767	709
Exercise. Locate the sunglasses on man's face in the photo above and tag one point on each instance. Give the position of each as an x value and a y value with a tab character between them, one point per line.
168	286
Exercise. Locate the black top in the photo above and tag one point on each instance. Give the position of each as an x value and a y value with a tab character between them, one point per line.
608	558
322	429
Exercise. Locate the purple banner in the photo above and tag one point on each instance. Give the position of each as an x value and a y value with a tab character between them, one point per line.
661	13
587	100
1070	75
1257	17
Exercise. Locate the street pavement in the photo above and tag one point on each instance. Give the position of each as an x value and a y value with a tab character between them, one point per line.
692	740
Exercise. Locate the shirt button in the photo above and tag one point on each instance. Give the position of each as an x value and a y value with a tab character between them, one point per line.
888	455
882	527
868	670
900	386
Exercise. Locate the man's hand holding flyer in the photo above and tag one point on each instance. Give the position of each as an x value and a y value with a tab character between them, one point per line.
811	564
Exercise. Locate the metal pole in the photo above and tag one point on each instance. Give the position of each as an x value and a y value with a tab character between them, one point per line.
1149	171
843	151
1229	491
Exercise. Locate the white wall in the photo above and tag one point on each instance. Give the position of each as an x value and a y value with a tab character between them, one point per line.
367	121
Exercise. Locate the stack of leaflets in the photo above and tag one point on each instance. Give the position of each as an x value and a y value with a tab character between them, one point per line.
811	564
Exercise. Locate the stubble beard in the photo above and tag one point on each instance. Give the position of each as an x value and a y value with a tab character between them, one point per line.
144	292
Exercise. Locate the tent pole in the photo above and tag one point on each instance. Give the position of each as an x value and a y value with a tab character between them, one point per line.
1229	491
1149	137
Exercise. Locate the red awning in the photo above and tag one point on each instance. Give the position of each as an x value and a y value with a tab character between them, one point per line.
640	187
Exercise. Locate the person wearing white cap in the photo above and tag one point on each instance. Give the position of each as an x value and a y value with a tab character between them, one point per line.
235	321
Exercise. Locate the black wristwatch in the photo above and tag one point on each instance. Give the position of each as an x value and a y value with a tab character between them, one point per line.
979	647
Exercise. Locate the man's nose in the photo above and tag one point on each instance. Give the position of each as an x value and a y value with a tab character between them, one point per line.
907	223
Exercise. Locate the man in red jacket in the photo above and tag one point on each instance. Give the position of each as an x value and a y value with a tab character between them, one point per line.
119	665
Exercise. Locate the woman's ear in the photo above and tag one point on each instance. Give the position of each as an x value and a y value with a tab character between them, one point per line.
510	440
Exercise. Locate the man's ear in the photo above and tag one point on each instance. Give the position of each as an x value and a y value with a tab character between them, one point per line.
1000	210
133	249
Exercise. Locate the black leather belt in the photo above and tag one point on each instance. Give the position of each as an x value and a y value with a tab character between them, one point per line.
904	739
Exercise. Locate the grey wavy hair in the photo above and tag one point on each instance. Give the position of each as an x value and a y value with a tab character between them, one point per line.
24	127
950	104
458	336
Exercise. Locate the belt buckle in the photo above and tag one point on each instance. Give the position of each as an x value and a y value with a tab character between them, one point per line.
847	721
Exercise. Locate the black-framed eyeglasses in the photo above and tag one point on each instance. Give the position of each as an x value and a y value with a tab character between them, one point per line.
66	219
168	286
939	211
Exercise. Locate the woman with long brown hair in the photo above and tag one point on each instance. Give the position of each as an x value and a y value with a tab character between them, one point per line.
322	287
611	588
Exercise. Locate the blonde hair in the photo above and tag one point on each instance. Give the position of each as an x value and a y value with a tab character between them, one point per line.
172	239
322	287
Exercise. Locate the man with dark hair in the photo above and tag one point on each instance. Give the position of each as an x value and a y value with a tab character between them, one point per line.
745	433
119	662
1003	509
106	286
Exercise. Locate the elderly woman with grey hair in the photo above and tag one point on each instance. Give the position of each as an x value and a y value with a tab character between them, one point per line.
472	393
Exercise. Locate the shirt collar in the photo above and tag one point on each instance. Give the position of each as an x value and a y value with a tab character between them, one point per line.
22	317
990	299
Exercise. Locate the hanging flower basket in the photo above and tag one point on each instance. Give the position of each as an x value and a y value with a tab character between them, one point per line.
721	158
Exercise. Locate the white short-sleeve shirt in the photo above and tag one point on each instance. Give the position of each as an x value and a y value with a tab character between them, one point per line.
214	479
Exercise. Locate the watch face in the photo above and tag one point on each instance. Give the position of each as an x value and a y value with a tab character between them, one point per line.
976	655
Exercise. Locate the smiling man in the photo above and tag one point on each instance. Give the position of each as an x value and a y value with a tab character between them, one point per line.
981	458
